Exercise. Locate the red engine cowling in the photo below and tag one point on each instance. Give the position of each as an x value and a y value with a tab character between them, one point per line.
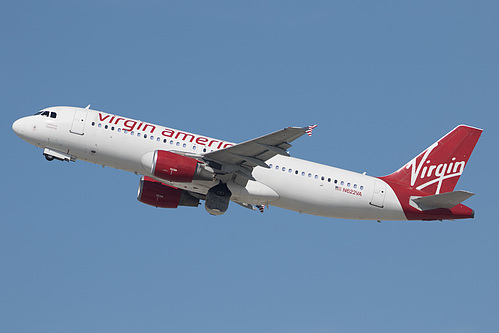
178	168
155	193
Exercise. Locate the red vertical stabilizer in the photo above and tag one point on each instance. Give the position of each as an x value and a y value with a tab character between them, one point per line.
438	168
433	172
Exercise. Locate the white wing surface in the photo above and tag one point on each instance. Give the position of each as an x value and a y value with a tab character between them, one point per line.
243	157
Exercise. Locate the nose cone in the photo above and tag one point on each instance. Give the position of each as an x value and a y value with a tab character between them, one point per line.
18	127
25	129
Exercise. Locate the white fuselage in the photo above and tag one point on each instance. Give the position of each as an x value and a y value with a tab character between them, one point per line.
289	183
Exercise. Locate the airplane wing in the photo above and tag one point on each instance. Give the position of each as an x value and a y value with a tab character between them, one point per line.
243	157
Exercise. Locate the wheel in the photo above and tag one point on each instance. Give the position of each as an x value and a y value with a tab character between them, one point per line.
49	157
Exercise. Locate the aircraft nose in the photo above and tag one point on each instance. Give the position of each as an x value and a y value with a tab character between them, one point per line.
18	127
23	128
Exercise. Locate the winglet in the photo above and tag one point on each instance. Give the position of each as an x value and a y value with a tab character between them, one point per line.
309	129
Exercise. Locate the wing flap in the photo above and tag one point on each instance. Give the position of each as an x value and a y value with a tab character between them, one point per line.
443	200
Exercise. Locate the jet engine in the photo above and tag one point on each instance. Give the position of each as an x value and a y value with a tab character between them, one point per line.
217	199
176	168
155	193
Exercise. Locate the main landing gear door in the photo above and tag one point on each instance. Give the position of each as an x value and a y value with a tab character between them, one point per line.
379	192
79	119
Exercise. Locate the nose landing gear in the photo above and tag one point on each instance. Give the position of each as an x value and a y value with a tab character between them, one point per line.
51	154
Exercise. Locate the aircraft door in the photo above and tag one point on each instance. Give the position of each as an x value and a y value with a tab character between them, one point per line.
78	126
379	192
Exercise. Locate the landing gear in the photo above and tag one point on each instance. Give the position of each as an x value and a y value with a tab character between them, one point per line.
51	155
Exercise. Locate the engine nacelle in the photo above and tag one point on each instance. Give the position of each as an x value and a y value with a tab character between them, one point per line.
217	199
154	193
176	168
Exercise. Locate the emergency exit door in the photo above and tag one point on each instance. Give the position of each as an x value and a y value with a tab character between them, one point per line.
379	192
78	126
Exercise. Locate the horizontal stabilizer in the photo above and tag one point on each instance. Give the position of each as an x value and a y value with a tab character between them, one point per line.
443	200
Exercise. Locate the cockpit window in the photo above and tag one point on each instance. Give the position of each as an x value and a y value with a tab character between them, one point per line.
46	114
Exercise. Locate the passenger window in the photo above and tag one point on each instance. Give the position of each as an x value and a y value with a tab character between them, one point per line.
93	123
100	125
119	130
277	167
131	132
106	127
303	173
290	171
361	187
329	180
342	182
322	178
112	128
158	139
270	165
283	168
354	185
309	175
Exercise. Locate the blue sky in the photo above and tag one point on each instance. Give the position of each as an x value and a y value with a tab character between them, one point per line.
383	80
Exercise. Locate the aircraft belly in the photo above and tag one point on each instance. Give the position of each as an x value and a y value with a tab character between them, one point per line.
333	206
254	193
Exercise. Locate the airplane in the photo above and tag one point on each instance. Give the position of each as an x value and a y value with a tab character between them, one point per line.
180	168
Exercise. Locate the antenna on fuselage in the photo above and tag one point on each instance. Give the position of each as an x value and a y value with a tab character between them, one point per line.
88	107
